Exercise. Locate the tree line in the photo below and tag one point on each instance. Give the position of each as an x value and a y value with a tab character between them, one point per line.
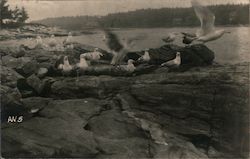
226	14
11	17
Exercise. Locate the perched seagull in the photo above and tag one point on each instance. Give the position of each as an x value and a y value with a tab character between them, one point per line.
174	62
69	39
82	65
118	49
130	66
59	47
65	67
207	32
170	38
39	42
52	41
93	56
145	57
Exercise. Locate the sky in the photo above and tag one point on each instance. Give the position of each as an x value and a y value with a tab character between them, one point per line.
40	9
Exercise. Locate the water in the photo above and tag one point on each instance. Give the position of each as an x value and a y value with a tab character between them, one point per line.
231	48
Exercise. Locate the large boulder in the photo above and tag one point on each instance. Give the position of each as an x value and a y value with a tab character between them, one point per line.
157	55
200	105
88	86
58	133
10	103
196	55
13	51
26	66
9	77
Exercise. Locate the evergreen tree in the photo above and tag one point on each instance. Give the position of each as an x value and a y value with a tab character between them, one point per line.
23	15
5	12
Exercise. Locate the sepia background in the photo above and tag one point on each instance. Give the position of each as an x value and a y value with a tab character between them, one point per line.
200	110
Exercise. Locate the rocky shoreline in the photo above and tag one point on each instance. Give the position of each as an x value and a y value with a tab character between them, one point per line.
156	112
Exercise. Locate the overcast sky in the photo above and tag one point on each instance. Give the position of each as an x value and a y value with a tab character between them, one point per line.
38	9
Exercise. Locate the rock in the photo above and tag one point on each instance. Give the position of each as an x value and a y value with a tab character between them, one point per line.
34	82
29	68
42	72
88	86
63	136
113	125
157	55
10	103
35	102
9	77
196	55
15	63
18	52
23	65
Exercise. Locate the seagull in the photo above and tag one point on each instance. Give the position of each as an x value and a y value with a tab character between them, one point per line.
69	39
82	65
207	32
52	41
170	38
174	62
39	41
65	67
118	49
93	56
129	67
145	57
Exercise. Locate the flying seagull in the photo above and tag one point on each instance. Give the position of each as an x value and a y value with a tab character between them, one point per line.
115	45
207	31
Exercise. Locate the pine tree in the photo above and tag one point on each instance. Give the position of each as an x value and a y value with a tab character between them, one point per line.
5	12
23	15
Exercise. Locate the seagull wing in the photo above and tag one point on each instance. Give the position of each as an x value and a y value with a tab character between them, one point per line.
205	16
113	41
189	34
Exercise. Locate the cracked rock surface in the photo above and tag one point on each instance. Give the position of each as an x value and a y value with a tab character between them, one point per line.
201	112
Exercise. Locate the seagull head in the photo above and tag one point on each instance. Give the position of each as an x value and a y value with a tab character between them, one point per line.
178	54
104	38
96	49
82	56
130	61
38	37
65	59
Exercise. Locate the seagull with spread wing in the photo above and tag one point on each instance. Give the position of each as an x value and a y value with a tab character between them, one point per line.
116	46
207	32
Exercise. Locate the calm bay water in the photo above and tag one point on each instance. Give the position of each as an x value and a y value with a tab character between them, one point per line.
231	48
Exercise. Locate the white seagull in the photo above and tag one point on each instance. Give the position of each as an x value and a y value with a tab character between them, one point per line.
52	41
145	57
174	62
39	42
65	67
69	39
93	56
130	66
83	64
207	32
